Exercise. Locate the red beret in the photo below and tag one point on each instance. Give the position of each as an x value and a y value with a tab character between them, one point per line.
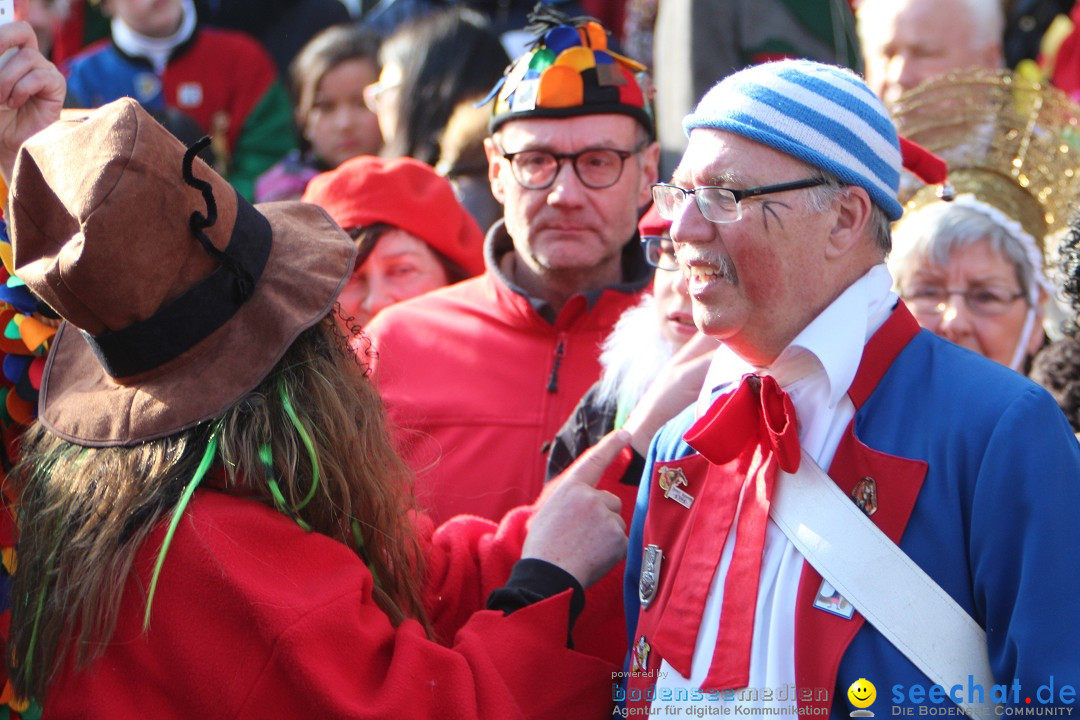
405	193
652	224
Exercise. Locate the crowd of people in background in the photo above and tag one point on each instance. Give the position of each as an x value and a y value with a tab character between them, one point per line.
401	315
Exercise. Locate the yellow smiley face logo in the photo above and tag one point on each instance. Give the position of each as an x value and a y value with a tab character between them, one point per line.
862	693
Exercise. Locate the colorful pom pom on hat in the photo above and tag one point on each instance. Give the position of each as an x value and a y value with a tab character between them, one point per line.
570	71
821	114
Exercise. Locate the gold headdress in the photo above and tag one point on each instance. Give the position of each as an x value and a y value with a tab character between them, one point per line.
1012	143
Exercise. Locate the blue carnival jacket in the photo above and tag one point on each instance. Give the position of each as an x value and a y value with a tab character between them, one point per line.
978	477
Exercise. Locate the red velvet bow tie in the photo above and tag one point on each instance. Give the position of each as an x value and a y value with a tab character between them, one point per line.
747	436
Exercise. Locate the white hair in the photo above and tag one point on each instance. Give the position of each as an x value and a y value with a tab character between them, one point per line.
820	198
933	232
987	20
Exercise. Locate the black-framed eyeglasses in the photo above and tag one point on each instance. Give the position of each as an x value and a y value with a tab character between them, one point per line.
982	301
659	252
596	168
717	204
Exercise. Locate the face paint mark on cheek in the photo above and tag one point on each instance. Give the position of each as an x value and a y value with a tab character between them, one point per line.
767	209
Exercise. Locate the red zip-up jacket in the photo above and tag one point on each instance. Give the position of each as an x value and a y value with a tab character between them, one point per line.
478	378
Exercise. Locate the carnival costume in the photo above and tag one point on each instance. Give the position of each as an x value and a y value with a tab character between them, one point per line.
968	466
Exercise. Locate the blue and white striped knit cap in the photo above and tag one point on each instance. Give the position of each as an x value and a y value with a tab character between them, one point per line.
824	115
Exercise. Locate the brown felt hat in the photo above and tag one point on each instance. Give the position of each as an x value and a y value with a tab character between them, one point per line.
164	329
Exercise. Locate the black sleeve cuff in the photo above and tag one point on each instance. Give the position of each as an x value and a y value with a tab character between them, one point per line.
635	470
533	580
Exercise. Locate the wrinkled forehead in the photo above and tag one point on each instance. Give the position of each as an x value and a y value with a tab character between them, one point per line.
718	157
569	134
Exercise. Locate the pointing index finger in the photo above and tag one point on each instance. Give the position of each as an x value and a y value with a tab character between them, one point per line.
590	466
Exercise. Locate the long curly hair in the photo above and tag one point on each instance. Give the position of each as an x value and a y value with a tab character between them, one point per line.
1057	366
311	441
1069	265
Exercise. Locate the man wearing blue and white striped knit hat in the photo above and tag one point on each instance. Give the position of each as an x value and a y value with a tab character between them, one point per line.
780	212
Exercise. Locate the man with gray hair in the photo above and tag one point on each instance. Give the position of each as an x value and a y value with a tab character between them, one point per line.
780	213
479	376
905	42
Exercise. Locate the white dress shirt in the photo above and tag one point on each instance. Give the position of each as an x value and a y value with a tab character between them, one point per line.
816	370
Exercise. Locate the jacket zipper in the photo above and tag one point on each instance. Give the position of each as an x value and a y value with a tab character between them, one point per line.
553	380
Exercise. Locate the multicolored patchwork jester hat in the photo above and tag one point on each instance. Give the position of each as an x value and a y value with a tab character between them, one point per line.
570	71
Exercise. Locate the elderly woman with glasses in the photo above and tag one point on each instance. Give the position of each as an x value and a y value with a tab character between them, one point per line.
973	270
973	275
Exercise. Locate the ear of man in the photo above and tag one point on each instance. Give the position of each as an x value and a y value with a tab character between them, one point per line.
650	173
851	231
495	169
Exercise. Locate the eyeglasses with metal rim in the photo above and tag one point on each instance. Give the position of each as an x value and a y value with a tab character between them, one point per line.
984	302
659	252
596	168
717	204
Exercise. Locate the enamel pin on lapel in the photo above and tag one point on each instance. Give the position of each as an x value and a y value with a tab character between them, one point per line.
650	575
640	659
670	480
865	495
